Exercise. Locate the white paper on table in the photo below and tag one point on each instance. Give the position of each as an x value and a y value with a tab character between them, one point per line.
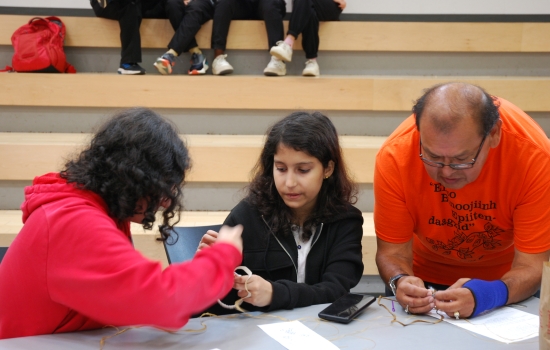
506	324
295	336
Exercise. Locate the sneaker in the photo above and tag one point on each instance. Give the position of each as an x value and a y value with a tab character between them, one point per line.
312	69
220	66
198	64
282	51
275	67
165	63
131	69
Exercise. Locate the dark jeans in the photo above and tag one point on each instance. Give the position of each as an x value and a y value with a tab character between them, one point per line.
271	11
305	18
129	13
186	21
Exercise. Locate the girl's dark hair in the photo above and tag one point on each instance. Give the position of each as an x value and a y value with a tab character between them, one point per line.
135	154
315	135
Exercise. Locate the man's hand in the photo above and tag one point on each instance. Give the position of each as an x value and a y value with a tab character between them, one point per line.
454	299
412	293
341	4
261	290
393	259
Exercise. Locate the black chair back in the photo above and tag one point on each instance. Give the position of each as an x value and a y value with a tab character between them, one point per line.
184	241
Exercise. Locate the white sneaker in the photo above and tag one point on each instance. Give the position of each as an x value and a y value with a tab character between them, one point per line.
275	68
312	69
282	51
220	66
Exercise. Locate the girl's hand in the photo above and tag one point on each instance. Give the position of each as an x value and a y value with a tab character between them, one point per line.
261	290
207	240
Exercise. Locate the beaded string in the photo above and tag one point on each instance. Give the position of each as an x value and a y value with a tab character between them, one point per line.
401	323
205	316
319	321
236	306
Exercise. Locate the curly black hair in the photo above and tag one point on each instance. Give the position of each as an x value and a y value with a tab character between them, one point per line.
135	154
483	106
315	135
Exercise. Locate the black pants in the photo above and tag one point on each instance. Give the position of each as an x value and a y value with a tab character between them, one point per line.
271	11
186	21
129	13
305	18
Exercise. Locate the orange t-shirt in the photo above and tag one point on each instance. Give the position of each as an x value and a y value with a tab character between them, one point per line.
469	232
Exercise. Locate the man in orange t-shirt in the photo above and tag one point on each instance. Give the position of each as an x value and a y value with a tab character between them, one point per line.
462	191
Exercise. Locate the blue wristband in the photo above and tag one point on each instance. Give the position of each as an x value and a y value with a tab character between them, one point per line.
487	294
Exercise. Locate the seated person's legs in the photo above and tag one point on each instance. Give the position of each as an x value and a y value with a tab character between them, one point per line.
324	10
304	19
329	10
310	41
186	19
224	12
300	18
272	12
128	14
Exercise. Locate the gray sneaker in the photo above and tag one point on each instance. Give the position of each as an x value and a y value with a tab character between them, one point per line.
199	65
165	63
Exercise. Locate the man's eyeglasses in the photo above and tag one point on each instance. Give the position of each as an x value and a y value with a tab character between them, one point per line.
460	166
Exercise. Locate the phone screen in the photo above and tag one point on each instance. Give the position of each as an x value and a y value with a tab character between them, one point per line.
345	308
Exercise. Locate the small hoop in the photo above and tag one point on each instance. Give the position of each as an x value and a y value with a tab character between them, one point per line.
238	303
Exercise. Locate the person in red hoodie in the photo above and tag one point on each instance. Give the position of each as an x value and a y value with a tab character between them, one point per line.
73	266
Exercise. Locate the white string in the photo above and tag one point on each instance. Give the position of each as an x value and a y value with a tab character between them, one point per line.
237	305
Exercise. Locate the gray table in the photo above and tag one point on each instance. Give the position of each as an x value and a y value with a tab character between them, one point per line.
372	330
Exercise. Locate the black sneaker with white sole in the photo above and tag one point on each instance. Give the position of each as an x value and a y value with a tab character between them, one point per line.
131	69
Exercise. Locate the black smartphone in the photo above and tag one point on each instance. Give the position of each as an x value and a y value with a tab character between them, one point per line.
346	308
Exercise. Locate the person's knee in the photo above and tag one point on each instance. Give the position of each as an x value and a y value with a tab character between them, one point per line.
174	5
272	9
221	5
108	12
201	7
296	3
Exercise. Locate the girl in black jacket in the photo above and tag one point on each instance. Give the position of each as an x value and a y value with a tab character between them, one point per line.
302	236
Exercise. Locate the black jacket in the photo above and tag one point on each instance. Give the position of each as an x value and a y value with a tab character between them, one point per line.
334	264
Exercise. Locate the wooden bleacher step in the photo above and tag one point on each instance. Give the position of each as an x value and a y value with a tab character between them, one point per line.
145	241
360	35
26	155
342	93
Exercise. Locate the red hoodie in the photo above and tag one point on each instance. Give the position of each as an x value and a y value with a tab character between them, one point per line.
71	268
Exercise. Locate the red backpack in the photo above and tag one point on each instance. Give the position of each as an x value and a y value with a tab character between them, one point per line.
38	47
